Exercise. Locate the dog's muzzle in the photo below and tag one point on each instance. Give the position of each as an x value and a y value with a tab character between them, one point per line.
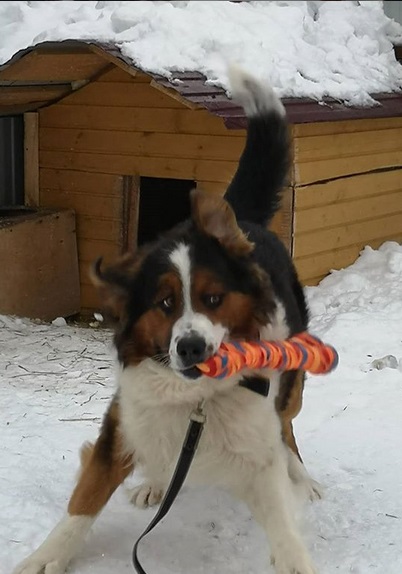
191	350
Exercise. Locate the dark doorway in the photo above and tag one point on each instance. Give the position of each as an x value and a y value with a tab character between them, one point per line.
12	160
163	203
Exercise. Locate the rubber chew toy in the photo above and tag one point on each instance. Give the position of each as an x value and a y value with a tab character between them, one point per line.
303	351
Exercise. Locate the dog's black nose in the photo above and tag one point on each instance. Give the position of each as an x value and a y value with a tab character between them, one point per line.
191	350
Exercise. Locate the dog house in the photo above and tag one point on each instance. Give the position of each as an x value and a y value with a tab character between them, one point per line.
122	148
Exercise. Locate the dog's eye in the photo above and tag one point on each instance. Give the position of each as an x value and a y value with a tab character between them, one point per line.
167	304
212	301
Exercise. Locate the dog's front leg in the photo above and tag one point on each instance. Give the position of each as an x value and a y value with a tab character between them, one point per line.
270	501
104	467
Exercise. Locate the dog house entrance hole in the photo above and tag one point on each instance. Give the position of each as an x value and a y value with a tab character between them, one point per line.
163	203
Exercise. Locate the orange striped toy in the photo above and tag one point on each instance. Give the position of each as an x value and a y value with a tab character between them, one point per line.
303	351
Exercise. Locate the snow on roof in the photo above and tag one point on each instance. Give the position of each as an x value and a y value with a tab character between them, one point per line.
343	50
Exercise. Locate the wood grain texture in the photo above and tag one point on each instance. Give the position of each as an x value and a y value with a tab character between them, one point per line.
176	168
345	126
327	156
38	95
359	233
31	159
140	95
41	66
347	189
312	269
144	144
130	118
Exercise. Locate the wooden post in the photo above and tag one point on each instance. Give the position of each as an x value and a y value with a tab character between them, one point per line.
130	211
31	159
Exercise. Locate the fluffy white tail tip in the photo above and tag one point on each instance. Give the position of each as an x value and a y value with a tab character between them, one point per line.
255	97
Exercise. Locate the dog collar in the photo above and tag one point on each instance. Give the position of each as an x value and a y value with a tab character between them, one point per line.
257	384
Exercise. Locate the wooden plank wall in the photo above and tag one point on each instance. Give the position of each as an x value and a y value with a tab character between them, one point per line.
347	192
346	181
120	126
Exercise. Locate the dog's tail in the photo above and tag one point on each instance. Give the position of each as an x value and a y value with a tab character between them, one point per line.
255	191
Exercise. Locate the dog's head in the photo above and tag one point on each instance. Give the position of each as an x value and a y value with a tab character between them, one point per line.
177	299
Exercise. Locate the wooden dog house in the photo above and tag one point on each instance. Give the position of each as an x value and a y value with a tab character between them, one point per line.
122	148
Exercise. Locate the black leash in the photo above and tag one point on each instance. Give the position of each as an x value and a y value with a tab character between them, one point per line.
259	385
195	428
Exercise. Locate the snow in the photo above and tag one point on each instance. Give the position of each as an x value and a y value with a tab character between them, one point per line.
57	381
304	49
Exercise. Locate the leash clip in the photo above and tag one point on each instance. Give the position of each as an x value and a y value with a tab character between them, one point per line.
198	415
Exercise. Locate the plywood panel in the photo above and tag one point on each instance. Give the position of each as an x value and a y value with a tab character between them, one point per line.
91	249
338	167
142	144
90	227
39	274
24	95
161	120
117	74
358	233
79	181
114	94
83	203
339	214
345	127
59	67
320	264
341	153
148	167
313	268
90	299
347	189
340	145
333	221
85	270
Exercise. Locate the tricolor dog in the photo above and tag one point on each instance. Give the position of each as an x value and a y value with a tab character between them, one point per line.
218	276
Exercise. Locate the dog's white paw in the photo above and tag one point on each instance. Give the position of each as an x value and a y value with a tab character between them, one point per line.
36	564
310	488
314	490
293	560
145	495
62	544
285	565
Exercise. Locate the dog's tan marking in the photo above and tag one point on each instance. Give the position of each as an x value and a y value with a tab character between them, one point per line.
237	311
151	333
104	468
289	404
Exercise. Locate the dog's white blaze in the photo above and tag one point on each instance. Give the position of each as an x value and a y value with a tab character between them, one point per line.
180	258
190	321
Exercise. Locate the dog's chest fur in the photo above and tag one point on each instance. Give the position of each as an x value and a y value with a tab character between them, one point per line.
242	432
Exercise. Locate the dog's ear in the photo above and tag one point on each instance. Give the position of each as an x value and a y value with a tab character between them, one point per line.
213	216
113	284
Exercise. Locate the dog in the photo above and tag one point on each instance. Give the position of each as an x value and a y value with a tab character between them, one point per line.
219	276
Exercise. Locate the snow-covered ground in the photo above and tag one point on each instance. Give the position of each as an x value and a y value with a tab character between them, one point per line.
312	49
56	382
